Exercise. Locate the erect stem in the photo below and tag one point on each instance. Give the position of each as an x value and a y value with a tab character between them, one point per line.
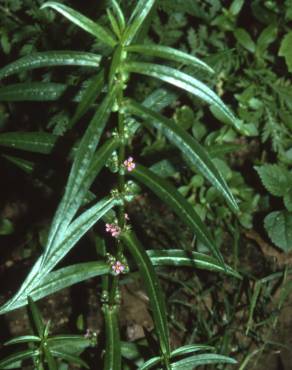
121	179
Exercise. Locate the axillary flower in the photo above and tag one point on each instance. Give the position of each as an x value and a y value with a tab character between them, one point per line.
114	229
118	267
129	164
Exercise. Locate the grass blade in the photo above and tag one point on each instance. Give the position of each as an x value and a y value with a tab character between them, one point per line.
51	59
185	82
177	257
152	287
83	22
184	210
136	20
112	359
169	53
190	147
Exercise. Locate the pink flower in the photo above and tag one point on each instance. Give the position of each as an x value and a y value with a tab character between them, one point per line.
127	217
118	267
129	164
115	230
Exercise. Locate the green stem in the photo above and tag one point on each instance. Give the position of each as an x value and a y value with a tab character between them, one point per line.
121	185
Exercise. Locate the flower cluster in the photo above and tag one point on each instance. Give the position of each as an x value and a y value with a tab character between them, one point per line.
114	229
129	164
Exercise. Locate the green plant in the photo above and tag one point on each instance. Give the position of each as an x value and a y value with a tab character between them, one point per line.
107	90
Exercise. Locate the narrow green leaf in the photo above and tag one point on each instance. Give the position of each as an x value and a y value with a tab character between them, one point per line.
36	142
203	359
83	22
152	287
190	147
89	95
244	39
169	53
115	64
69	358
36	316
52	364
112	359
23	164
23	339
185	211
252	306
68	276
190	348
69	343
185	82
131	351
136	20
38	282
14	359
177	257
150	363
119	14
32	91
50	59
114	23
33	278
75	188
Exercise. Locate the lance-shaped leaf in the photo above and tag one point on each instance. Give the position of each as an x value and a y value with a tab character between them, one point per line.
190	348
13	361
32	91
185	82
169	53
185	211
23	339
177	257
83	22
69	343
119	14
50	59
69	358
112	359
150	363
136	20
51	362
75	188
37	142
38	282
190	148
23	164
36	319
152	287
204	359
68	276
89	95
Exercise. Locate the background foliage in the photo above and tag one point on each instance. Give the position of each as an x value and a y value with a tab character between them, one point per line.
247	44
